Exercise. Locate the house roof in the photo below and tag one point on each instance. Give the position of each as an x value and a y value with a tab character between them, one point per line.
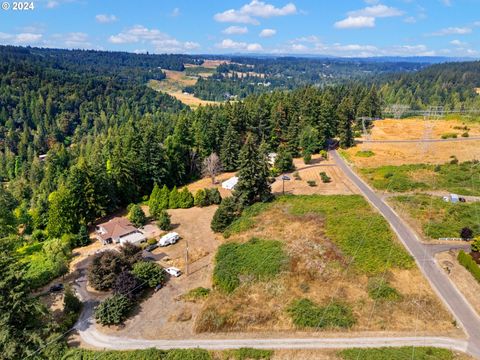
116	228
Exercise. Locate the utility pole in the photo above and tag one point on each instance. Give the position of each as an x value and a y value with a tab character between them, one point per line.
186	257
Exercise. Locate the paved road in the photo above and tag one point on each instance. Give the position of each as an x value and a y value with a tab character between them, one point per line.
420	140
446	290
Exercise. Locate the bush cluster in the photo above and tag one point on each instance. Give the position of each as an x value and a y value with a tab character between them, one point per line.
207	197
163	199
467	261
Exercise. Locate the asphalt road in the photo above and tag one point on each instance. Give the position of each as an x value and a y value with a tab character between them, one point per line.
424	257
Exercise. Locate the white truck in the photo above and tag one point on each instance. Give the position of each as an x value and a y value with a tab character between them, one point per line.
169	239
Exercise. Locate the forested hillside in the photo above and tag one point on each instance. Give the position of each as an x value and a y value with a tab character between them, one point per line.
247	75
452	85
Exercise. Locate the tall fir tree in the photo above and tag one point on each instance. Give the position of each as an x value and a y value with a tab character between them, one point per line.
230	149
346	115
253	183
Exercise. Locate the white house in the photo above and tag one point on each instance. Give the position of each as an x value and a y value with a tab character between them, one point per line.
230	183
120	231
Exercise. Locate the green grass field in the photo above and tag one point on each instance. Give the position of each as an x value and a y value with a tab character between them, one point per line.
463	178
403	353
362	234
256	260
438	218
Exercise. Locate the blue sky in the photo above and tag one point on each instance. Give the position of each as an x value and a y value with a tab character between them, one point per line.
322	27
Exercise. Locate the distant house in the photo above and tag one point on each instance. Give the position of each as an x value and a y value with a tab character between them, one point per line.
477	90
120	231
230	183
42	157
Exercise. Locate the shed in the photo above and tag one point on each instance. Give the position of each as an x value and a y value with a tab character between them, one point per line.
230	183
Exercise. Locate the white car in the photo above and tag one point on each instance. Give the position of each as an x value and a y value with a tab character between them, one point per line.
173	271
169	239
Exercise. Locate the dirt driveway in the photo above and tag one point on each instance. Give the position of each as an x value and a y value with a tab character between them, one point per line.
164	314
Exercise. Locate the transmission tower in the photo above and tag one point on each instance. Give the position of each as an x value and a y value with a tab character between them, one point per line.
433	113
366	133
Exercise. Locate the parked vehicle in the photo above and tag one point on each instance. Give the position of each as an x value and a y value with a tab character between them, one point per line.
173	271
169	239
462	199
56	288
152	247
158	287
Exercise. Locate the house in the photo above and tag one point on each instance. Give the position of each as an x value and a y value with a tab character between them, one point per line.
230	183
120	231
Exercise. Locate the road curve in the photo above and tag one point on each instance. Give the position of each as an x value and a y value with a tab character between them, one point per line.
445	289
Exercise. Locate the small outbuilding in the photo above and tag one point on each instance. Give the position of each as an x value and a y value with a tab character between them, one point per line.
230	183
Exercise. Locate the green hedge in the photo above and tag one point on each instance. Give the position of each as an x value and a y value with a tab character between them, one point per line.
467	261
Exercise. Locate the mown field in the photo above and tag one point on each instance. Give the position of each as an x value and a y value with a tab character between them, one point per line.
462	178
317	263
437	218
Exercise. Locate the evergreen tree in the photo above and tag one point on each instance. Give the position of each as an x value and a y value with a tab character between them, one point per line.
62	216
201	198
163	220
253	183
346	116
227	212
230	149
284	160
174	199
137	216
185	199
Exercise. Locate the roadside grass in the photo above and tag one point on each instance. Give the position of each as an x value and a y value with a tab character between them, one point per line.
306	314
154	354
198	293
469	263
462	178
380	289
361	233
247	354
439	219
256	259
402	353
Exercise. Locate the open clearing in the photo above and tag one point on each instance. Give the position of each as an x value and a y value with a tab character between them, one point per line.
414	153
332	254
174	84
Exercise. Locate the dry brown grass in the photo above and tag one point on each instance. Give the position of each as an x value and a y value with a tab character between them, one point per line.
414	153
317	271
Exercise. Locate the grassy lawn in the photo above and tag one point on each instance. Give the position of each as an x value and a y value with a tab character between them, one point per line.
463	178
440	219
256	259
361	233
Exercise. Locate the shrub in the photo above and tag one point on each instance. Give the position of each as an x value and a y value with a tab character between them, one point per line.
226	213
465	134
466	233
454	161
126	284
196	294
256	260
213	196
307	158
324	154
38	236
325	178
311	183
113	310
297	176
467	261
163	220
305	314
149	272
71	308
449	136
151	241
476	245
284	160
174	199
379	289
365	153
130	253
201	198
137	216
104	269
185	199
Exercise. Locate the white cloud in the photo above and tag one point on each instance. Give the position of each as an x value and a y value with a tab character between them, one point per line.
452	31
447	2
229	44
175	12
21	38
235	30
52	4
160	41
105	19
356	22
377	11
249	13
265	33
458	43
